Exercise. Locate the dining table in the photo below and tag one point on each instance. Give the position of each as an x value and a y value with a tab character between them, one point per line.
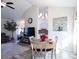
44	45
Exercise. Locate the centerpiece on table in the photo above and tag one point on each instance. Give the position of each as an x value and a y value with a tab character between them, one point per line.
43	36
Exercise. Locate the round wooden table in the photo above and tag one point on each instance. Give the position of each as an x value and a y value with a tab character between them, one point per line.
44	46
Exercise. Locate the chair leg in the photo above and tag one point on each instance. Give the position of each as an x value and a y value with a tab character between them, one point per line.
32	57
55	54
44	56
52	54
35	56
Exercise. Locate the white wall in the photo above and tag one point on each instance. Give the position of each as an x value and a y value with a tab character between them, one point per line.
65	37
33	13
75	32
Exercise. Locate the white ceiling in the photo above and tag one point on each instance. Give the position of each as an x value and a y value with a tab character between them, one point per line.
54	3
22	5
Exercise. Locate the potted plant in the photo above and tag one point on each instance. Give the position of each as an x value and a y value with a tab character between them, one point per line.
10	26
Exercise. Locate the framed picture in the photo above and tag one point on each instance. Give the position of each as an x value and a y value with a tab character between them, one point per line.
60	24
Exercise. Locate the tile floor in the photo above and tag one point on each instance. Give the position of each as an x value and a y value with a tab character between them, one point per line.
10	49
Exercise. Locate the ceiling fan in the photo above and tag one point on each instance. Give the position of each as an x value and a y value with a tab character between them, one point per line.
4	4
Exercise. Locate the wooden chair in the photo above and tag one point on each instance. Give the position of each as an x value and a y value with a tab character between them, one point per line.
55	45
41	52
31	38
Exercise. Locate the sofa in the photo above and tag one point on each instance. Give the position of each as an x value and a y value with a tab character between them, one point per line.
4	38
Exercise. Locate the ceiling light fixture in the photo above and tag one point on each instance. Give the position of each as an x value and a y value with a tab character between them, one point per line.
39	15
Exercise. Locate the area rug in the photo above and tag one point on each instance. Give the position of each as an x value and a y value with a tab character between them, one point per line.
24	55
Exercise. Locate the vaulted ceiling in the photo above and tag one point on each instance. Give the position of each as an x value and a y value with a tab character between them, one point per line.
22	5
54	3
